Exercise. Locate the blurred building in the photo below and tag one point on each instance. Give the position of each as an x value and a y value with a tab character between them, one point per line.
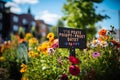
42	28
10	22
2	8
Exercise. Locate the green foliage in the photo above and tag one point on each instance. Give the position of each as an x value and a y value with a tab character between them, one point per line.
51	66
14	54
54	29
60	23
82	14
22	53
105	67
47	67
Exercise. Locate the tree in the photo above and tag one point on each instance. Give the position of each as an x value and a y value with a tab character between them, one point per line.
60	23
54	29
82	14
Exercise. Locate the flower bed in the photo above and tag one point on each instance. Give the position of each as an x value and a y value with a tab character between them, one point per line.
45	61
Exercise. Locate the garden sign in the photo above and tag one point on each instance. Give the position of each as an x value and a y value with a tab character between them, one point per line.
71	38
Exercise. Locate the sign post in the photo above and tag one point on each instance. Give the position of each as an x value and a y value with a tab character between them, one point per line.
71	38
72	51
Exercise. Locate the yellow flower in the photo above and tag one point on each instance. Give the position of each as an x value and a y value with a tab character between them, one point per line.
2	58
36	54
106	37
33	54
51	39
33	41
23	68
2	48
45	43
23	65
28	36
90	51
39	48
102	42
94	42
30	54
50	36
43	48
24	78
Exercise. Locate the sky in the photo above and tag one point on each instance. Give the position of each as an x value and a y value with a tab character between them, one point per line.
51	10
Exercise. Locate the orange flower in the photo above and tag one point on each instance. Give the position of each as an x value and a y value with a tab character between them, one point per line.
102	32
100	39
23	69
21	40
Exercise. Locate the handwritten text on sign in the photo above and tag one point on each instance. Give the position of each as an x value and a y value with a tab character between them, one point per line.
71	38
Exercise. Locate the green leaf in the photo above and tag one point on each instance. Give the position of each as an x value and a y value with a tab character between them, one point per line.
22	52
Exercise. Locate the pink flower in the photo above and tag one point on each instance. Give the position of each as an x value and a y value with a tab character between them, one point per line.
74	70
51	51
74	60
96	54
55	45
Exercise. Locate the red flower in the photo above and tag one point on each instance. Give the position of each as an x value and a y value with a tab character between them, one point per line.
74	60
64	77
74	70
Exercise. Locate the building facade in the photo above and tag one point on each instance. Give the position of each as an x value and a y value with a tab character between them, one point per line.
41	28
2	10
10	22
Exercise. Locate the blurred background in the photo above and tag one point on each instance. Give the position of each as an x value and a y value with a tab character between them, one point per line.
40	17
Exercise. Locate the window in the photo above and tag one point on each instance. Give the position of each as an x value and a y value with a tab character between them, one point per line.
24	21
1	16
15	19
15	27
0	26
